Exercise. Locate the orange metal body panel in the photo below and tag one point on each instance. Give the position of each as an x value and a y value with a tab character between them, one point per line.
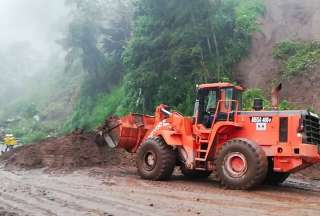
132	129
180	131
219	85
288	156
188	136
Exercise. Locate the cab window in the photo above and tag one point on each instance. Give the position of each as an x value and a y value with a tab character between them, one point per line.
208	100
211	102
227	94
229	97
238	97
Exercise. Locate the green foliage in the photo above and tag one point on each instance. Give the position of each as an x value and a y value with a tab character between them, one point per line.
297	57
96	37
247	13
250	94
29	130
34	137
177	45
90	112
285	105
117	61
27	110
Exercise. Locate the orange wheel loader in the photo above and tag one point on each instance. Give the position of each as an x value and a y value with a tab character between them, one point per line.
243	148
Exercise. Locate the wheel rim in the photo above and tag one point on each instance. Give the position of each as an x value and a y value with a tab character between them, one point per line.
235	164
150	160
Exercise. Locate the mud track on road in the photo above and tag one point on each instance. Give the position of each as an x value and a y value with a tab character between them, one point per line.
118	190
73	176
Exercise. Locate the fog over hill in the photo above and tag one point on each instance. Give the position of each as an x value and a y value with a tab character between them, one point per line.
35	21
29	30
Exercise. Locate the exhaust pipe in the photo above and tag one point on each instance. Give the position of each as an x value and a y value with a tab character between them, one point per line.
275	96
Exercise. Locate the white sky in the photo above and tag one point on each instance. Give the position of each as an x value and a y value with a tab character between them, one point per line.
37	21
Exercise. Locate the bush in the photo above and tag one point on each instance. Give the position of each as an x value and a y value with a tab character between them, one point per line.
250	94
90	112
247	13
28	130
193	43
297	57
33	137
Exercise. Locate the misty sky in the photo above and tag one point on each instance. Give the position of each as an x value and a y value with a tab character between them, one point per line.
36	21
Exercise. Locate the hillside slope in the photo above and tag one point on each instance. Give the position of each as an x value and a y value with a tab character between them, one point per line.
294	20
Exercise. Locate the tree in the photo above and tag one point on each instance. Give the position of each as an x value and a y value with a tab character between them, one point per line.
176	45
96	35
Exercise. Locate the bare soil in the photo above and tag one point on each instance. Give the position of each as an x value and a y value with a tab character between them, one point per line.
72	151
102	181
117	190
294	20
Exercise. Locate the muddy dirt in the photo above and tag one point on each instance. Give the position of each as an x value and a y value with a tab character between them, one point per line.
309	174
117	190
103	181
72	151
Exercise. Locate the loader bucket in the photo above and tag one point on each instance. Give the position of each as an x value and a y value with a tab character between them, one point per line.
108	133
126	132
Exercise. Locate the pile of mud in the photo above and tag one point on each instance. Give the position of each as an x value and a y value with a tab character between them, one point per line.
310	173
71	151
79	150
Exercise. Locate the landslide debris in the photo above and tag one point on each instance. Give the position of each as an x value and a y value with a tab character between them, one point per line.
71	151
310	173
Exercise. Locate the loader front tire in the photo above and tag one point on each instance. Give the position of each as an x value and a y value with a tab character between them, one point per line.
155	159
241	164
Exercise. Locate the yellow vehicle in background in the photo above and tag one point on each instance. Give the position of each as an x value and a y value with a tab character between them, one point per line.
9	141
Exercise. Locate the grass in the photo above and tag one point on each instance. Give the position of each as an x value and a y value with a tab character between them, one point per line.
90	112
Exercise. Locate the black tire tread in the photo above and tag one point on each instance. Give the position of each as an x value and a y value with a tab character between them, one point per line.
168	158
262	165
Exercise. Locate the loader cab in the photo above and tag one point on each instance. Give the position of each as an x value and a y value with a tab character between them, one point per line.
217	102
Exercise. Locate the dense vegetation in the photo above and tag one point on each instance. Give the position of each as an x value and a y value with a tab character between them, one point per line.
297	57
177	45
171	47
125	55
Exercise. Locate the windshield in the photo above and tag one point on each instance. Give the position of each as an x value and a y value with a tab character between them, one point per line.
211	102
206	103
231	95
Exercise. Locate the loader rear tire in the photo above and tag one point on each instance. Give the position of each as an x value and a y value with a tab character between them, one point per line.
241	164
155	159
195	174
